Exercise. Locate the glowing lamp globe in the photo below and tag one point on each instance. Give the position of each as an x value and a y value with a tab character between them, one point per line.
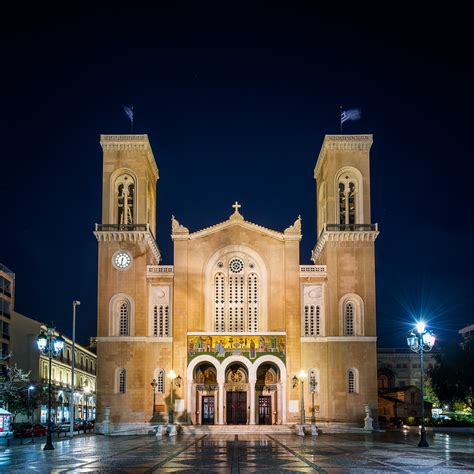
42	341
420	327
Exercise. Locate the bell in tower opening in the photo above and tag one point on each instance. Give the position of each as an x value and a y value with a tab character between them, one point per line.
125	199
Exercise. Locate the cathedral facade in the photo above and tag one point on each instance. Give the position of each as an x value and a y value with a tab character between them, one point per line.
236	331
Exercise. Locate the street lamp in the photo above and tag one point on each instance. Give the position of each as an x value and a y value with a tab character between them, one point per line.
49	345
87	391
421	340
172	376
30	414
71	401
301	377
313	383
154	384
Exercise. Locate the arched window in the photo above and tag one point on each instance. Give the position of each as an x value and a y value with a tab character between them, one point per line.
349	319
349	200
160	380
121	316
219	302
352	381
236	295
125	199
124	318
252	302
122	383
351	315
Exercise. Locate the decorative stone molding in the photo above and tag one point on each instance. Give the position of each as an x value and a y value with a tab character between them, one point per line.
160	270
294	229
339	339
178	231
129	142
342	143
129	236
116	339
342	236
313	270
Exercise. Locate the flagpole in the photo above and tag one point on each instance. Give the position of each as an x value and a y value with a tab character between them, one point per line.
131	122
340	119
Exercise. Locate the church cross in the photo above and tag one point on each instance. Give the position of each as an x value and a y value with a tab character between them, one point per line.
236	207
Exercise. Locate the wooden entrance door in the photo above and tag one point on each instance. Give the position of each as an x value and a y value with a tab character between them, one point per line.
264	410
207	410
236	408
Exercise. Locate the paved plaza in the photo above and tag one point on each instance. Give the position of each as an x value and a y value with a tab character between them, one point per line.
380	452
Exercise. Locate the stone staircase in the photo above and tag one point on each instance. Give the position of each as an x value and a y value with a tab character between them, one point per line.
232	430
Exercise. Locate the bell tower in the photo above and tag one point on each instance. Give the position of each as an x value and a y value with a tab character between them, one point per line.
126	239
128	181
345	245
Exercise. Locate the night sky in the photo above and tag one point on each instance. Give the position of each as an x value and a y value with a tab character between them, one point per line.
237	110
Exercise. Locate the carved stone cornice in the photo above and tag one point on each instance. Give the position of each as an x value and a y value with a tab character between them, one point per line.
130	142
342	143
178	231
130	236
341	236
292	232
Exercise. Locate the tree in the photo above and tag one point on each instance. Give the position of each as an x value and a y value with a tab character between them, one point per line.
13	390
452	378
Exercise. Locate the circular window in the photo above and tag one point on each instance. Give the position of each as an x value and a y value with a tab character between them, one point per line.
122	260
220	264
236	265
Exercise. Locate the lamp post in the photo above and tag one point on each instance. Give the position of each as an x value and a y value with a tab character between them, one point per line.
87	391
172	376
30	414
301	378
421	340
49	345
312	388
154	384
71	401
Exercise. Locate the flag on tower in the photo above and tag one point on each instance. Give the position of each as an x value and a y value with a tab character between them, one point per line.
353	114
129	112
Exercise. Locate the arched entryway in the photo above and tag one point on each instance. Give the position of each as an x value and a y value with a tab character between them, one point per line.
203	391
206	393
237	374
267	393
236	386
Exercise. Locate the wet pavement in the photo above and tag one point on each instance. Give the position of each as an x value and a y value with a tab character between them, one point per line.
344	452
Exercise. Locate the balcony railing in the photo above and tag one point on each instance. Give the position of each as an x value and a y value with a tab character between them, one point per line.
160	269
351	227
122	227
313	270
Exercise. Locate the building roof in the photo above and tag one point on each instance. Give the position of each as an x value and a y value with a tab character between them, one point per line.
466	329
5	269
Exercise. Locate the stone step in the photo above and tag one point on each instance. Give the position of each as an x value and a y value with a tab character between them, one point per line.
237	429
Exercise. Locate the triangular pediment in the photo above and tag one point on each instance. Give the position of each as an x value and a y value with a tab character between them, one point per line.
179	232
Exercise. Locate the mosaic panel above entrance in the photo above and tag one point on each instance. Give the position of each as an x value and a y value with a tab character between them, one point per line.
225	345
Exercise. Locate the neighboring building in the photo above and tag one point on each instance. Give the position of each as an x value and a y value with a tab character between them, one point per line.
7	299
25	355
401	402
236	316
467	334
400	367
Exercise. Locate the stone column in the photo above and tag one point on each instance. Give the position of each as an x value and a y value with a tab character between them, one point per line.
278	404
189	404
220	414
283	402
252	401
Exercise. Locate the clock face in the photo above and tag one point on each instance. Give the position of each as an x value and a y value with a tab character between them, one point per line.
122	260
